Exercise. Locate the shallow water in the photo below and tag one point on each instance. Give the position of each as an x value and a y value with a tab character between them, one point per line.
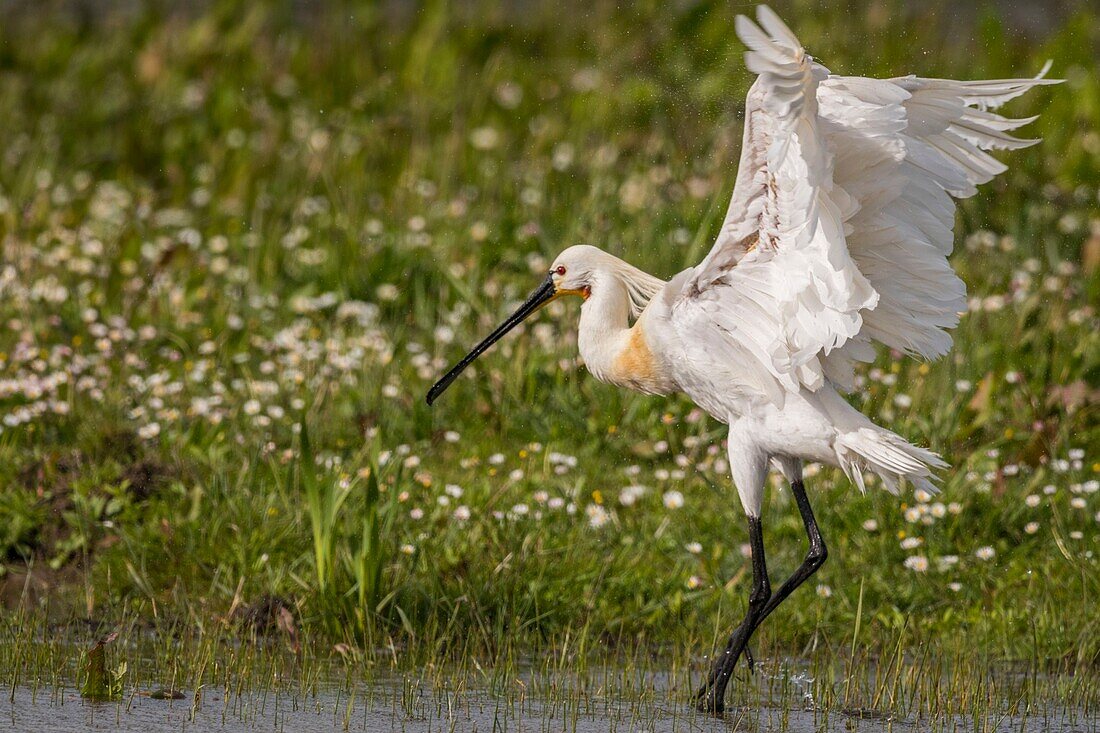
400	705
378	709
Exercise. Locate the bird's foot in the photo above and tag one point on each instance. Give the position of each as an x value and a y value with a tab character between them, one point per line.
710	700
711	697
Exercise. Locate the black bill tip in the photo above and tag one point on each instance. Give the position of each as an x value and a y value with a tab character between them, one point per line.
542	295
437	389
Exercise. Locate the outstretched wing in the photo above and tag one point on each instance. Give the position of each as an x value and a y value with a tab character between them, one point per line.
840	223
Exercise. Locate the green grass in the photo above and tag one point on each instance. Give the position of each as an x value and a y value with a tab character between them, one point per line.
217	676
238	247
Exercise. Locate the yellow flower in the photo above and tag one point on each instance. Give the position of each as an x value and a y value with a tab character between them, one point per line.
597	496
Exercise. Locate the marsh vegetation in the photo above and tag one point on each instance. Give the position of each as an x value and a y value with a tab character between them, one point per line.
239	244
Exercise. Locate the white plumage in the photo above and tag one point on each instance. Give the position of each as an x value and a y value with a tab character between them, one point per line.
836	238
845	186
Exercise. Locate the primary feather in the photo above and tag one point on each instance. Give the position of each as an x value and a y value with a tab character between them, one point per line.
840	223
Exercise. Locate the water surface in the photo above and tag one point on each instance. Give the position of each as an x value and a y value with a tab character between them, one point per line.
403	704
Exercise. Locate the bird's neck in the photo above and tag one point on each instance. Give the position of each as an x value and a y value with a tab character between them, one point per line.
605	319
612	349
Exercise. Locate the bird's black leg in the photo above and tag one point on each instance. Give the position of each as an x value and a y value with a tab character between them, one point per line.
815	558
712	695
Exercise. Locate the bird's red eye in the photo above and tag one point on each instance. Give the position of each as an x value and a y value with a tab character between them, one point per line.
560	269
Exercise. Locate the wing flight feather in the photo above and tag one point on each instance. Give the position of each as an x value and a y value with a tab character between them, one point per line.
841	218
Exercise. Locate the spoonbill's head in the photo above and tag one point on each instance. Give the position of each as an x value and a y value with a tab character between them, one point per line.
575	269
572	273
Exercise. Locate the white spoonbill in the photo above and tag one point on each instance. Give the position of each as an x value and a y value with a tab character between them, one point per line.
836	238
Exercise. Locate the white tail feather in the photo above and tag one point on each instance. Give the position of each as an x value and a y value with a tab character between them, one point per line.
888	456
